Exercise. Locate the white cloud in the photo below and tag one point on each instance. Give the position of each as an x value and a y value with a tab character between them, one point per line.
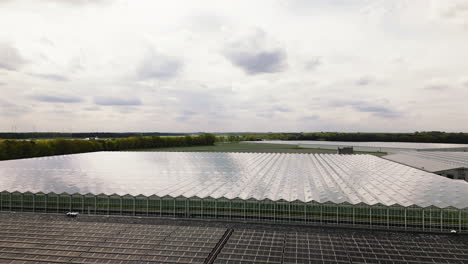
10	59
159	66
57	98
115	101
253	54
50	76
233	66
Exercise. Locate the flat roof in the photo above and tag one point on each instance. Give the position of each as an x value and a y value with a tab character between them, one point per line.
390	145
274	176
432	161
35	238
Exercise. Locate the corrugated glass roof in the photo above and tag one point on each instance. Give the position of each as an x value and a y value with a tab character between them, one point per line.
305	177
390	145
432	160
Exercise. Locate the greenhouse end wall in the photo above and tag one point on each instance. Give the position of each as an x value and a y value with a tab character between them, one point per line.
430	219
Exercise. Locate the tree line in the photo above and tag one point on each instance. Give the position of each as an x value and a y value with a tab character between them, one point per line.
50	135
229	138
425	137
18	149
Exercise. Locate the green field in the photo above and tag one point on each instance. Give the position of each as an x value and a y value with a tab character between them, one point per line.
252	147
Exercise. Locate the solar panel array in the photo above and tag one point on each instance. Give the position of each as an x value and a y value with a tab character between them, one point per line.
27	241
73	242
253	246
260	246
304	177
404	249
315	247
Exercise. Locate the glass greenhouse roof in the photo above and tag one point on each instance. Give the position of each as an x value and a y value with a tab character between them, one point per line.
432	160
304	177
390	145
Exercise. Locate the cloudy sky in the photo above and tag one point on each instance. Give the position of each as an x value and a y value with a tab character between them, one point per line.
343	65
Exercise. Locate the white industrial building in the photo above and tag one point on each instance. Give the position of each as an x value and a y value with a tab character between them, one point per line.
389	147
452	165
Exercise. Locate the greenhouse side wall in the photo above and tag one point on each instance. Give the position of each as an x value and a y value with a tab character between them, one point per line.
429	219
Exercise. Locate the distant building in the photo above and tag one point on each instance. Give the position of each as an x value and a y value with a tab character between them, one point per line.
345	150
458	173
453	165
389	147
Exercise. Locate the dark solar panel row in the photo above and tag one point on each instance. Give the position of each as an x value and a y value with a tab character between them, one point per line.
71	242
86	242
37	225
415	251
314	248
251	246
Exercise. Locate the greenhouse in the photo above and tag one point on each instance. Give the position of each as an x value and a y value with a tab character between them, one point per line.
317	189
453	165
390	147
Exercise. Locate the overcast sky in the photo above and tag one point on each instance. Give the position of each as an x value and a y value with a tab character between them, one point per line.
343	65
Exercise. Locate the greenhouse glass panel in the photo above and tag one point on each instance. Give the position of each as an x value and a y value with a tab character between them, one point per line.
141	206
362	215
252	210
297	212
378	216
451	219
209	208
414	218
16	201
64	203
238	209
282	210
168	207
154	206
128	205
52	203
39	203
223	209
195	208
464	221
5	201
77	203
115	205
181	207
267	210
330	214
426	217
436	219
313	213
90	204
345	214
28	200
102	204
